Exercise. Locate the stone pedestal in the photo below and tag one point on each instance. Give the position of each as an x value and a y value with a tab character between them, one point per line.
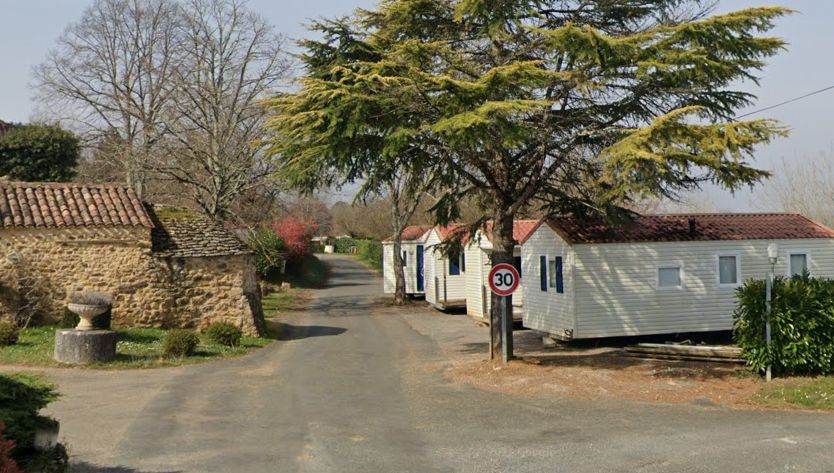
83	347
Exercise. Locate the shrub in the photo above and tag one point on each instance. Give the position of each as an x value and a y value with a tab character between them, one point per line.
101	322
180	343
296	233
224	333
343	245
269	252
370	251
802	325
91	298
7	463
22	396
8	334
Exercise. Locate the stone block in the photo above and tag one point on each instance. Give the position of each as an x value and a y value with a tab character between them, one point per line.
84	347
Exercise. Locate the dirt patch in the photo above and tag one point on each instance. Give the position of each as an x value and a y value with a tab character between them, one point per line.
605	373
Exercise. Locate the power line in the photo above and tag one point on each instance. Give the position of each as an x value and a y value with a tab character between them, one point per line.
795	99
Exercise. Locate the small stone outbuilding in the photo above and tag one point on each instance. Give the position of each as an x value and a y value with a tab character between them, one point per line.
164	267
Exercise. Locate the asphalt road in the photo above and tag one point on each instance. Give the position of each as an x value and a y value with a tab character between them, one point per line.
350	391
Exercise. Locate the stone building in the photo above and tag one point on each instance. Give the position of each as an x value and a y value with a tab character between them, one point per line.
164	267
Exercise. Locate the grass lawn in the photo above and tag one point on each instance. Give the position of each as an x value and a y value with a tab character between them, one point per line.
276	303
808	393
136	348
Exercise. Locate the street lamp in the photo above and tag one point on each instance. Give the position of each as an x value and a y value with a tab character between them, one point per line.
772	258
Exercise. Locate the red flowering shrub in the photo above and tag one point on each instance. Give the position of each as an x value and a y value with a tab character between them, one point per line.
296	233
7	465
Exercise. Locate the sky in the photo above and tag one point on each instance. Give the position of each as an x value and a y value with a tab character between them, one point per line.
28	28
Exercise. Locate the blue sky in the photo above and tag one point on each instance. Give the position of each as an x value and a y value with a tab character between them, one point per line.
29	28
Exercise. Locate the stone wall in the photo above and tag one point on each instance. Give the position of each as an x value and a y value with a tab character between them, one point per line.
148	291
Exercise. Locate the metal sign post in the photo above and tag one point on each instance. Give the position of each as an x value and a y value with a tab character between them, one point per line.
503	281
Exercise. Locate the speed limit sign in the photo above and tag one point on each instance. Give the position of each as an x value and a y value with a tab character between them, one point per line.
503	279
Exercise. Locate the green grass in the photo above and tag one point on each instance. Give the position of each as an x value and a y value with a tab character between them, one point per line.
808	393
276	303
136	348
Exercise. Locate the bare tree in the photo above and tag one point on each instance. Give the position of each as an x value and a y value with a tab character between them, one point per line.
807	189
231	60
111	74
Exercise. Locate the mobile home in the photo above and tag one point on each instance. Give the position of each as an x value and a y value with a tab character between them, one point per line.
479	256
660	273
445	271
412	251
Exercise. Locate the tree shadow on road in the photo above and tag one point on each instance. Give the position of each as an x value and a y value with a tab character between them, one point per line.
84	467
286	332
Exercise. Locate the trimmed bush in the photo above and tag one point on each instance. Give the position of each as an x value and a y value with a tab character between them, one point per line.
224	333
100	322
370	251
22	396
343	245
180	343
802	325
8	334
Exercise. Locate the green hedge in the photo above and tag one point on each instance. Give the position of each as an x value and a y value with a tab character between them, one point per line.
370	251
343	245
802	325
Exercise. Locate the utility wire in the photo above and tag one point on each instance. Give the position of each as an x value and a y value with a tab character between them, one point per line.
795	99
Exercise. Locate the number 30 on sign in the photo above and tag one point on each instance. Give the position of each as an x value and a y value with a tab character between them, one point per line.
503	279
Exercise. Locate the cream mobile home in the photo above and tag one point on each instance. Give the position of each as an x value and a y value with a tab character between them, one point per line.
660	273
445	269
412	252
479	254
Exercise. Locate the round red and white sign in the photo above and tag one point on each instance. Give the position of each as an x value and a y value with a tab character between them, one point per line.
503	279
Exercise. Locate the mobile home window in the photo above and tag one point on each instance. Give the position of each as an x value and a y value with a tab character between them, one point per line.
543	272
405	258
556	277
728	269
517	264
457	263
669	276
798	263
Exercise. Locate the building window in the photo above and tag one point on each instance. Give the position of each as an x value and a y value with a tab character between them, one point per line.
405	258
728	270
556	278
798	263
543	272
560	283
551	269
517	264
457	263
669	277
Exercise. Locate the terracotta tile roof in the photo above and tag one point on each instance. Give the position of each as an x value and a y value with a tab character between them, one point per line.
522	229
693	227
59	205
180	233
453	231
412	233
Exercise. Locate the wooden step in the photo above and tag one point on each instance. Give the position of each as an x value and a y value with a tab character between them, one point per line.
665	351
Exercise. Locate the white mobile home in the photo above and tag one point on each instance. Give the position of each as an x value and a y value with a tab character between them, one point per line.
445	273
479	254
660	273
412	251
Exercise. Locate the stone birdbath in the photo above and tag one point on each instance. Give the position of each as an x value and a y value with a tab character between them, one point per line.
85	343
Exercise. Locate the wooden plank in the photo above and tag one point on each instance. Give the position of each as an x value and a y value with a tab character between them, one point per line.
690	350
685	358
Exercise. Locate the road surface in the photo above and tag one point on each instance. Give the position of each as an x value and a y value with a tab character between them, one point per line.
349	391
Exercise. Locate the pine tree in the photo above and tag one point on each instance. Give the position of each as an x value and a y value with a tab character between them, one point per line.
575	107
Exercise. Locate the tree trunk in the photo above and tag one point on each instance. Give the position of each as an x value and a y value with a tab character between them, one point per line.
502	252
399	272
